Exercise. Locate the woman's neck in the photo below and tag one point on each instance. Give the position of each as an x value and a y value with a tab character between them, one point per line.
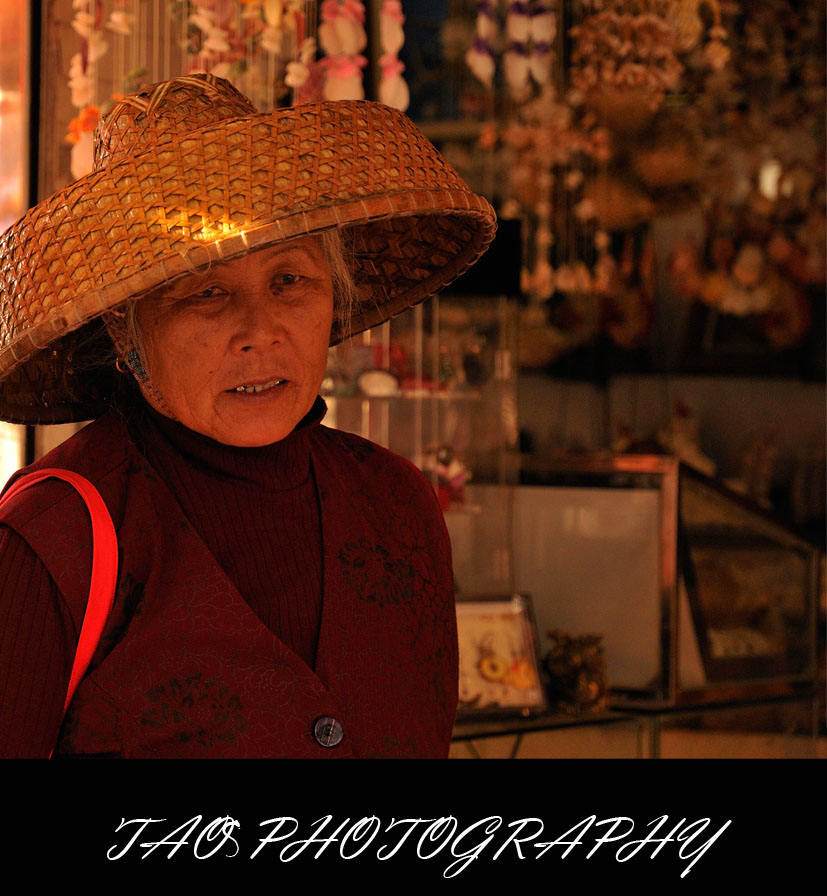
274	467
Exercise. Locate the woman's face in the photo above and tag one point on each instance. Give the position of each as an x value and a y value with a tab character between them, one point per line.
239	353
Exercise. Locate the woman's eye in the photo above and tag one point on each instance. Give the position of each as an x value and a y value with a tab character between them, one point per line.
282	280
208	292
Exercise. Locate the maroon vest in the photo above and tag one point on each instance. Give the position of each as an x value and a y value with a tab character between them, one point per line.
186	669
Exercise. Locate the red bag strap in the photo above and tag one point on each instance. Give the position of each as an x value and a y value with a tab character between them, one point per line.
104	566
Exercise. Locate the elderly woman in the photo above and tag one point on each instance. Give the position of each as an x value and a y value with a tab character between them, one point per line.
282	589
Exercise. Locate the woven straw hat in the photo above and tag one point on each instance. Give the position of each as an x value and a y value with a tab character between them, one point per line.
187	173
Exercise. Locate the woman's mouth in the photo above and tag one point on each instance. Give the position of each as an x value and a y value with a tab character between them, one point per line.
258	387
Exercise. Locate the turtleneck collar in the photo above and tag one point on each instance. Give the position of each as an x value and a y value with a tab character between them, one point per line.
282	465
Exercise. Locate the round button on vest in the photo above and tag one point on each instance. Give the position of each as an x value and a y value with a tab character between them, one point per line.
328	731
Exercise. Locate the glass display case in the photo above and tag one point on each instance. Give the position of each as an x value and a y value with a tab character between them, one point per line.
437	385
698	594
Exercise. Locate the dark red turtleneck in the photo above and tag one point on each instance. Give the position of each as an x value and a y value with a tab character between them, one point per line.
257	511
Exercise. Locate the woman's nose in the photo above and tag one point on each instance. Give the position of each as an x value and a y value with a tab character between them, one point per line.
258	321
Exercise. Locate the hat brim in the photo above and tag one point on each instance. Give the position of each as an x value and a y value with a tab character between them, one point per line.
218	193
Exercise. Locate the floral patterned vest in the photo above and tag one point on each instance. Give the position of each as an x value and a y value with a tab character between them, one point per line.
186	669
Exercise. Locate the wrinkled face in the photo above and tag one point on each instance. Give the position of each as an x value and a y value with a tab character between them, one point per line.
239	352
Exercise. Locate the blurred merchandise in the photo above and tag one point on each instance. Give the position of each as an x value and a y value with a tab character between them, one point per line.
576	673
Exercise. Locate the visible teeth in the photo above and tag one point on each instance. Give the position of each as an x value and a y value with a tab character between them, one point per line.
251	389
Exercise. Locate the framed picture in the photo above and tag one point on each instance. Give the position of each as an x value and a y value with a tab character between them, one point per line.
499	665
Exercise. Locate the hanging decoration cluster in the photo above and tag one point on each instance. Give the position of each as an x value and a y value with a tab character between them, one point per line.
560	132
637	44
626	44
342	41
226	37
263	46
760	256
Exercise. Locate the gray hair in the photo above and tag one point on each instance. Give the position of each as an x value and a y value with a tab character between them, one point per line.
338	250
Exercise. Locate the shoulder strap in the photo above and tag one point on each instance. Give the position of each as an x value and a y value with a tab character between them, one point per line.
104	566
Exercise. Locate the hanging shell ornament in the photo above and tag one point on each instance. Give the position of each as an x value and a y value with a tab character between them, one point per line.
393	89
342	31
480	55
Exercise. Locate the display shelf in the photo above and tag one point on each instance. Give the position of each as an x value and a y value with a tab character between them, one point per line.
622	736
784	727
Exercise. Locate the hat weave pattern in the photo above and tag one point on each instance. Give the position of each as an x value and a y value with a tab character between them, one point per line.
169	198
